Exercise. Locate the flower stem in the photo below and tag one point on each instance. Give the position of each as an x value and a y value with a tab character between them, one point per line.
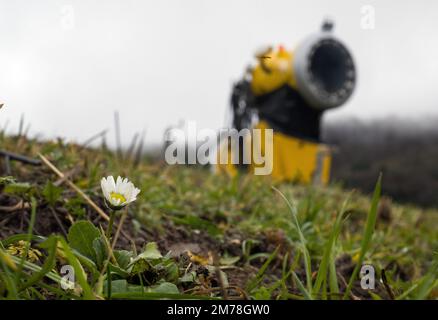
110	224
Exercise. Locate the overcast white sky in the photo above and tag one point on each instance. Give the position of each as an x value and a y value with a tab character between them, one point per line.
67	65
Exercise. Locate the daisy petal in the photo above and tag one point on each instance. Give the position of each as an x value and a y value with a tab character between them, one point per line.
111	184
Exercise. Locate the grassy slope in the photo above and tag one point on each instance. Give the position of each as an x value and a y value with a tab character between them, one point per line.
241	220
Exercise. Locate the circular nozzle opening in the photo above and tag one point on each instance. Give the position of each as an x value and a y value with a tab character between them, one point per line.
324	71
330	66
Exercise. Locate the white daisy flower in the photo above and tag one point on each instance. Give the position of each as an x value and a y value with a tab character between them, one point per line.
118	193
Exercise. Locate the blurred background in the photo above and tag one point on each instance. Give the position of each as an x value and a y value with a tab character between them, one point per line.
68	65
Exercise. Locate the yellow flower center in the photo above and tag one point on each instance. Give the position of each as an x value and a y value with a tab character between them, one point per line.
117	196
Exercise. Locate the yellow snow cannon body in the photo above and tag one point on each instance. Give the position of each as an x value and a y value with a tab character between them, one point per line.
288	91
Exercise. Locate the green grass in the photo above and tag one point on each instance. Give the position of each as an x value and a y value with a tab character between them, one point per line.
256	239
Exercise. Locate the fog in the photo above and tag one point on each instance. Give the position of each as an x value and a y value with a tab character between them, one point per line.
68	65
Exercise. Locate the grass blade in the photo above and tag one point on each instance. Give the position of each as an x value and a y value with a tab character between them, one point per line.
259	276
301	287
333	278
368	233
35	268
307	260
48	265
79	271
33	204
6	277
328	251
157	295
427	283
